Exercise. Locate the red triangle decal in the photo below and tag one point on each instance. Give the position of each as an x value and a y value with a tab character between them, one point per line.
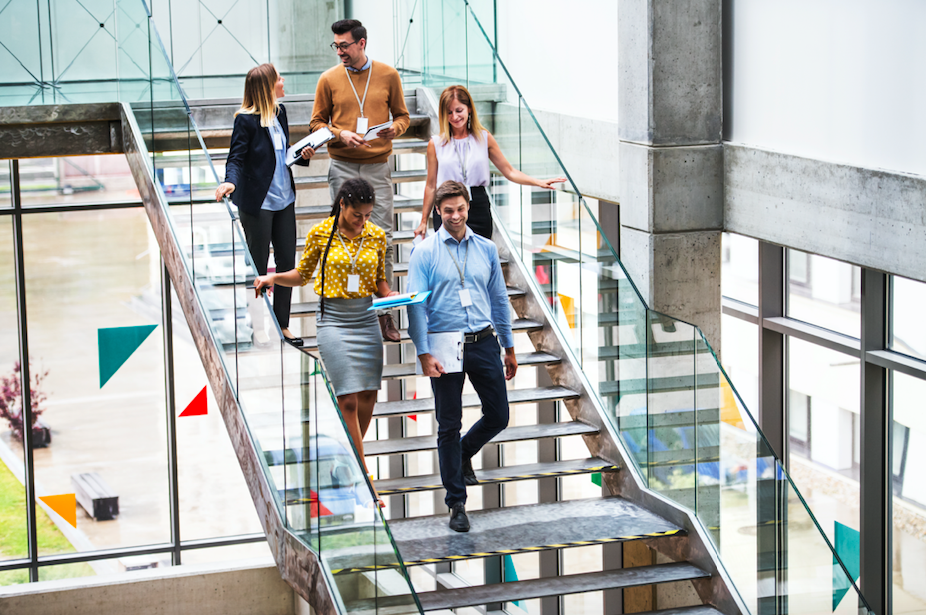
316	508
413	417
198	406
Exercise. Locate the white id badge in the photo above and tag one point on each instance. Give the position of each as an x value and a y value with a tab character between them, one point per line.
465	299
277	139
353	283
363	124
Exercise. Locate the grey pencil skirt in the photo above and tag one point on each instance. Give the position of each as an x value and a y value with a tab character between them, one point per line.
351	345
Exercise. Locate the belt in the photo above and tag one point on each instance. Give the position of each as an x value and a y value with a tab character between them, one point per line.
472	338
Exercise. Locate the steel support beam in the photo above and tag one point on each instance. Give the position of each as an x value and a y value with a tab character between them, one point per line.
25	377
875	499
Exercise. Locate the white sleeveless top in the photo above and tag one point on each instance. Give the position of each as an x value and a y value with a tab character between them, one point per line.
450	157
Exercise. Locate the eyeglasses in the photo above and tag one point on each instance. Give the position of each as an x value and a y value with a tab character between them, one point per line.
342	46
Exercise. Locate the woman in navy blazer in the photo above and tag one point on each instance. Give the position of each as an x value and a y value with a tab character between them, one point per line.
260	183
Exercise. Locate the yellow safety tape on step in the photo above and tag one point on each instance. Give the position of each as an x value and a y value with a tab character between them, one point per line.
562	545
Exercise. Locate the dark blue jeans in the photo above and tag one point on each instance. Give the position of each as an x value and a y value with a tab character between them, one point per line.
482	362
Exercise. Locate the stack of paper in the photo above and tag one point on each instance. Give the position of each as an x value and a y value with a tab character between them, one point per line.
314	140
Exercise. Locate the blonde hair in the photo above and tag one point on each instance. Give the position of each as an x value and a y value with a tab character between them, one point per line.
260	94
461	94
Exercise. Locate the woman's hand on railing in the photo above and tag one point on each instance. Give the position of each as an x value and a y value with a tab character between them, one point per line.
262	282
548	183
224	190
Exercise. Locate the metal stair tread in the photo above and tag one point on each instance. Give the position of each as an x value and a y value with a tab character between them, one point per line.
519	433
407	370
517	326
321	181
430	482
536	588
310	307
310	212
528	528
429	443
404	407
665	384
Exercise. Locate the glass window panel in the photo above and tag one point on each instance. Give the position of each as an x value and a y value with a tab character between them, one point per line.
76	180
824	386
106	567
214	497
6	195
739	269
13	540
824	292
75	288
909	456
740	358
226	554
908	335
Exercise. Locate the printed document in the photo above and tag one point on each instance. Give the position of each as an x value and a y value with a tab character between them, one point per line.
446	348
371	133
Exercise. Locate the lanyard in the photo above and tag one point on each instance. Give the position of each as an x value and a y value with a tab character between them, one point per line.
353	259
462	271
365	90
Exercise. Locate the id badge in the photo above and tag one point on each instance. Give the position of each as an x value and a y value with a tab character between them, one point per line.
465	299
363	124
353	283
277	140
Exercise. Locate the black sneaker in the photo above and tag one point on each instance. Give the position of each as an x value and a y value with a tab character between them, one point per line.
459	522
469	476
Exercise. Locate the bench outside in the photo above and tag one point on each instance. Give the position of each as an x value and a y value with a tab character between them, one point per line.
95	496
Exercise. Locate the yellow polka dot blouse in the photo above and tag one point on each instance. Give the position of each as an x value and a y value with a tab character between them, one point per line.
371	263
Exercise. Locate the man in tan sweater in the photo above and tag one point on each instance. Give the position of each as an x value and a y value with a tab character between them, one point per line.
351	97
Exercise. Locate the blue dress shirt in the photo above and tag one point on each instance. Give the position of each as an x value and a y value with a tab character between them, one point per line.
432	268
280	194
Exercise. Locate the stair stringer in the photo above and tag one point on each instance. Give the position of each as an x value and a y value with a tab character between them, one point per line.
696	547
298	565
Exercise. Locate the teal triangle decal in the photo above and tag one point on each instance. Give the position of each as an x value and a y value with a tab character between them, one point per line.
848	545
116	345
512	575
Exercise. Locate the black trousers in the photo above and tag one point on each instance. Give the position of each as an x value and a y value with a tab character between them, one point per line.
483	363
277	228
480	215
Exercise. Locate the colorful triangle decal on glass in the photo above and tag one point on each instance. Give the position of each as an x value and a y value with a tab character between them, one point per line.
511	575
116	345
65	505
848	545
198	407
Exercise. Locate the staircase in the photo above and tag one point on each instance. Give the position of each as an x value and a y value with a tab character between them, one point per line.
651	556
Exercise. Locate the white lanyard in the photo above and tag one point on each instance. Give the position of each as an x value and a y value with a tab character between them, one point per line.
353	259
366	89
462	271
462	158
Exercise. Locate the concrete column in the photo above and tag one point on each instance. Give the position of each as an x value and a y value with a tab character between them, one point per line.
671	160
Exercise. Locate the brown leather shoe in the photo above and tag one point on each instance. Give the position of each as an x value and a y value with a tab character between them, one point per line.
387	326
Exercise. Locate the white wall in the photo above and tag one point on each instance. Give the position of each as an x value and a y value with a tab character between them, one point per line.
563	56
839	80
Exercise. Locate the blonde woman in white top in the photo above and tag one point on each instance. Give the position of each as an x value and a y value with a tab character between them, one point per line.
462	152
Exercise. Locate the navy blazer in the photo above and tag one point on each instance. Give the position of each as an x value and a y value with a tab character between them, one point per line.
251	161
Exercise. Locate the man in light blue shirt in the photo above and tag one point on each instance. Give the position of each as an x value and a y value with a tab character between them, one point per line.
463	272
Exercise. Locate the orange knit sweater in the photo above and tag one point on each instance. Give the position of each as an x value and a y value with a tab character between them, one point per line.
337	107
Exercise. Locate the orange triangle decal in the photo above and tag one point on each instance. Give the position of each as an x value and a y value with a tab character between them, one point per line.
198	406
64	504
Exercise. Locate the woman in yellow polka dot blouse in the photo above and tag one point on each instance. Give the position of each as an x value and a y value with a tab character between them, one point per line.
352	252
